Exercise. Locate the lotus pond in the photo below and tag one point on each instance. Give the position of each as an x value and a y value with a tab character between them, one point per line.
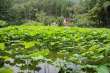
29	48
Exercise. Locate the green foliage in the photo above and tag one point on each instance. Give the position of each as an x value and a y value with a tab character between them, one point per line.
92	13
5	5
89	13
78	45
84	20
103	69
35	9
48	20
5	70
3	23
30	22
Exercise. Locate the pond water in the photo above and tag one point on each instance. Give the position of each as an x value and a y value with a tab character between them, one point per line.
19	65
41	68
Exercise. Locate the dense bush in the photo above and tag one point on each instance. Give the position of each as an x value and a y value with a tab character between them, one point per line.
31	22
49	20
84	20
3	23
79	45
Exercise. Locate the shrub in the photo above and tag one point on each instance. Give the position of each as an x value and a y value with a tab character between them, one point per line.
31	22
49	20
84	20
3	23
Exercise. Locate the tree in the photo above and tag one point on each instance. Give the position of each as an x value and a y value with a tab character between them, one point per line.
27	9
4	7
